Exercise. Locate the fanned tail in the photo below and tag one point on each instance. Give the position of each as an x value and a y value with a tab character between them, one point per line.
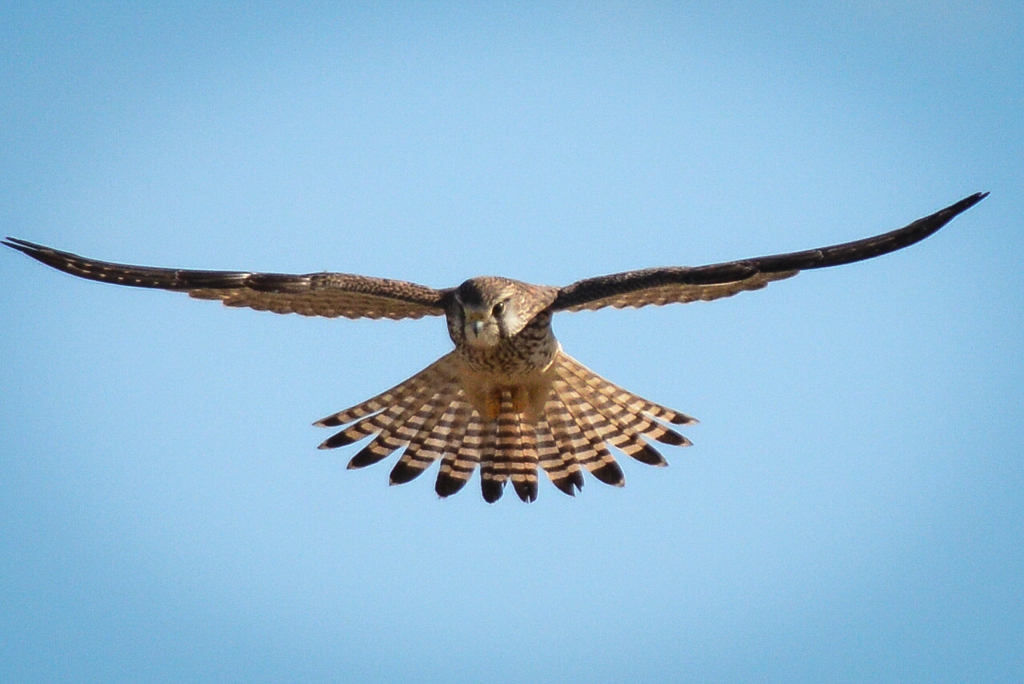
431	416
585	413
430	377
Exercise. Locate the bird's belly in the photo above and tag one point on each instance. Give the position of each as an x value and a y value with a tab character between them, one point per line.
523	379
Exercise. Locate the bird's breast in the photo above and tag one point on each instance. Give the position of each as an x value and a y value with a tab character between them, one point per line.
519	365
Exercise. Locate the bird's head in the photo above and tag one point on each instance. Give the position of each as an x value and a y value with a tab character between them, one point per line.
483	311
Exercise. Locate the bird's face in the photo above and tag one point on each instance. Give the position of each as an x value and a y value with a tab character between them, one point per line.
485	312
484	326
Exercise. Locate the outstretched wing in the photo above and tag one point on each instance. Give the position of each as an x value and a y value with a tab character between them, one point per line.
682	284
312	294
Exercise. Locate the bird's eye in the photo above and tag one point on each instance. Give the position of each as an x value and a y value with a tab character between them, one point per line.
498	309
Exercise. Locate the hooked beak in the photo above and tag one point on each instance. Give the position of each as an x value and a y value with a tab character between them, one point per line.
478	330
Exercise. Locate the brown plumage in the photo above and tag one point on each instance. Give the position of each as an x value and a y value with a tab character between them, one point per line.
507	400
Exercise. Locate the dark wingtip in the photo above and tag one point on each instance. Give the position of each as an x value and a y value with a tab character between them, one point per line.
935	222
966	203
23	246
942	217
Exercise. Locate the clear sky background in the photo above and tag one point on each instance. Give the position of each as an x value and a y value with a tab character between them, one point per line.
853	507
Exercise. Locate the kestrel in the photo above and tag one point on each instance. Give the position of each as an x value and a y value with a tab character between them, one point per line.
507	398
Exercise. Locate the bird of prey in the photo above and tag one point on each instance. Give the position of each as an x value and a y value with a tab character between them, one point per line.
507	398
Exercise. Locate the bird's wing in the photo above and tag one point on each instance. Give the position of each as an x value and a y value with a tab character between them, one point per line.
682	284
313	294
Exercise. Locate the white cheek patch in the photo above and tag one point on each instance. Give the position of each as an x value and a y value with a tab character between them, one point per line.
510	323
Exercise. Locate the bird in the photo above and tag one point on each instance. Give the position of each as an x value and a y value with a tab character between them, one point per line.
507	398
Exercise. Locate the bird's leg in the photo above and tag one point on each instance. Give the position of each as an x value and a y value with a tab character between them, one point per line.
525	401
492	404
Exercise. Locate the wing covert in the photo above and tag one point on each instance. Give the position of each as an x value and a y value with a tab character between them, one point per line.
682	284
312	294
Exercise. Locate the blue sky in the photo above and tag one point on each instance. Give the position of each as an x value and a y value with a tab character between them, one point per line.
851	510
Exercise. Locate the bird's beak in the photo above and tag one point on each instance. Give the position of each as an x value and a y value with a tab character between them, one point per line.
478	329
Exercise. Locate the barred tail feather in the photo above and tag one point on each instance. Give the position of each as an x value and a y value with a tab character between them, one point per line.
428	444
430	415
631	402
462	455
573	414
586	414
615	426
558	460
383	425
517	450
444	366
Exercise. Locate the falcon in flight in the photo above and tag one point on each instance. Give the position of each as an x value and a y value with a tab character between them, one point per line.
507	398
